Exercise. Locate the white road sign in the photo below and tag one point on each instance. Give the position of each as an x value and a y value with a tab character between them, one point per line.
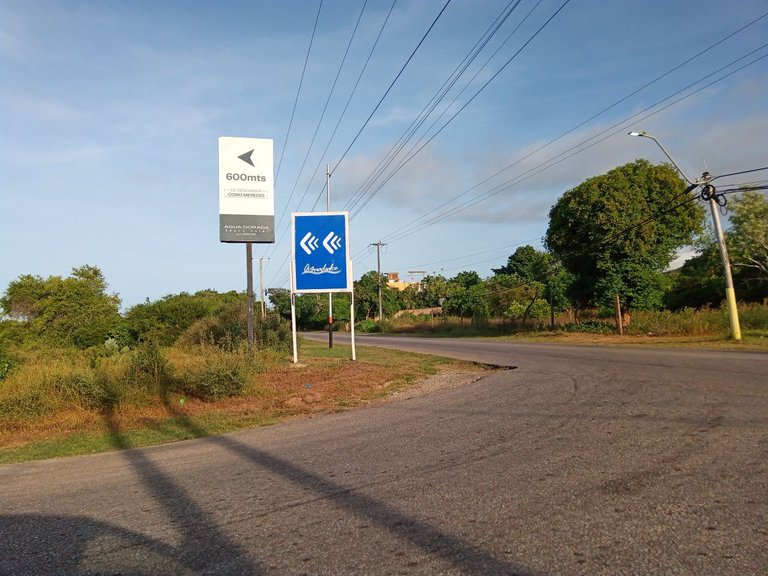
246	190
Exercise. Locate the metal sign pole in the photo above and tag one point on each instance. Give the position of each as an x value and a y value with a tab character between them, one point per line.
293	319
352	319
249	291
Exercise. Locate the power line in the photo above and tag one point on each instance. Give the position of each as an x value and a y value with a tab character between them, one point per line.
562	156
475	95
594	116
341	116
298	92
320	120
391	85
434	101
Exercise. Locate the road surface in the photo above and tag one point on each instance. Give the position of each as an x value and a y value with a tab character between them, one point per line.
580	461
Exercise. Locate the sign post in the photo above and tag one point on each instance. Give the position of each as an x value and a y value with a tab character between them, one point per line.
321	261
246	200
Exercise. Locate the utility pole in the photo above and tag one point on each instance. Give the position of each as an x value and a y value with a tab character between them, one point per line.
378	245
708	193
261	287
330	294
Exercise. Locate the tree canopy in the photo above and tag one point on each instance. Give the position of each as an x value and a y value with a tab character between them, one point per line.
70	311
617	233
748	236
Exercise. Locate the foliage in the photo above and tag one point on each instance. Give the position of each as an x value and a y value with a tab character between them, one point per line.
537	309
748	236
590	327
617	233
367	296
699	283
470	302
368	326
164	320
149	368
73	311
213	373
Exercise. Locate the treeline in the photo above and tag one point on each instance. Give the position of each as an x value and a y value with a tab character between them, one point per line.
611	237
77	311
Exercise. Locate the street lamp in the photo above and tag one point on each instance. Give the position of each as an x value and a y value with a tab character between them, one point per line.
730	294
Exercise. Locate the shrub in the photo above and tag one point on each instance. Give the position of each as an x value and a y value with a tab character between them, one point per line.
228	330
368	326
24	405
210	373
149	368
590	327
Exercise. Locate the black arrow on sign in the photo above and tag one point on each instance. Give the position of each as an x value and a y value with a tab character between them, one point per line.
247	157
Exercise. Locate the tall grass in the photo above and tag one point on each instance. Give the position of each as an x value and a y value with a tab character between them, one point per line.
686	322
56	381
690	322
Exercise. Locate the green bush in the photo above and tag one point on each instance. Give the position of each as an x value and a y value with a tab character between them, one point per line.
590	327
754	316
368	326
6	365
210	373
229	329
149	368
213	383
81	388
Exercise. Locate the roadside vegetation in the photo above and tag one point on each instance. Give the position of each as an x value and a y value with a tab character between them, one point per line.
74	368
611	238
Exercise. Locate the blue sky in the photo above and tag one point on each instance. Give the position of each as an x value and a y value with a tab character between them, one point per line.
110	114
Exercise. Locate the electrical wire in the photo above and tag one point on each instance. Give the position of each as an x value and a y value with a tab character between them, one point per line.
594	116
460	110
397	77
298	92
320	121
435	100
561	157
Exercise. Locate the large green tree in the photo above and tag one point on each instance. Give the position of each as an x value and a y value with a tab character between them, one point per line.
617	233
64	311
748	237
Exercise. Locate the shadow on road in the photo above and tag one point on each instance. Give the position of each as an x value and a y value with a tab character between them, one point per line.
50	544
458	552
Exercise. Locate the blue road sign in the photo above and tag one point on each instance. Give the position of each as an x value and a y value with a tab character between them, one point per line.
321	252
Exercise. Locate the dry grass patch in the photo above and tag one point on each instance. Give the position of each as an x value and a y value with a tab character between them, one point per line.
273	390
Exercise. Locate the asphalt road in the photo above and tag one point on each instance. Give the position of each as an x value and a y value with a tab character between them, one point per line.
580	461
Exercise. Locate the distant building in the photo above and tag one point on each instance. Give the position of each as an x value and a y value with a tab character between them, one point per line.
393	281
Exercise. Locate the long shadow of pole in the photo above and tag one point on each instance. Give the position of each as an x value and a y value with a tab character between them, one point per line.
204	544
462	554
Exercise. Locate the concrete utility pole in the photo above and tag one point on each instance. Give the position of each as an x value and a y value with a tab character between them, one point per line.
261	287
708	193
378	245
330	294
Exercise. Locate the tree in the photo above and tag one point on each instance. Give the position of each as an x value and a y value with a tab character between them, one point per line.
541	274
471	302
65	311
367	296
617	233
699	282
748	236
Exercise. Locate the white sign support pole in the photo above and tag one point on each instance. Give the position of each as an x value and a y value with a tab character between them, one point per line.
352	322
293	321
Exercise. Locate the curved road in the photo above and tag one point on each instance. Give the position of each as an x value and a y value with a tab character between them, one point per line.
582	460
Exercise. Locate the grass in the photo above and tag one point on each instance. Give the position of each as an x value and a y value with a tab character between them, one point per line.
689	328
274	390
